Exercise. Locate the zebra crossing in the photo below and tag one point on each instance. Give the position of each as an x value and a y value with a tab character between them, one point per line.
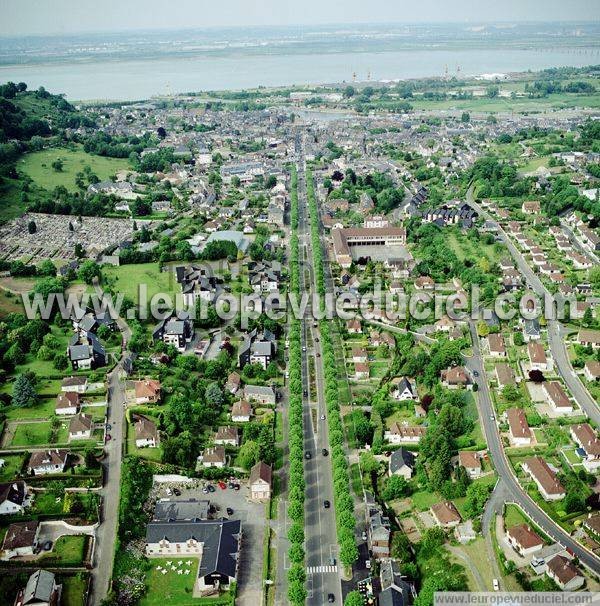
320	569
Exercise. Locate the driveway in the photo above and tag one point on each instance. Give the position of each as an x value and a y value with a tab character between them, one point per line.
53	530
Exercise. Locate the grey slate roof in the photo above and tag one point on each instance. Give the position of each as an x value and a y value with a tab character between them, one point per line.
39	587
400	458
219	538
185	510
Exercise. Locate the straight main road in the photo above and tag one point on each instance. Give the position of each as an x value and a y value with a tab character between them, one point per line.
321	547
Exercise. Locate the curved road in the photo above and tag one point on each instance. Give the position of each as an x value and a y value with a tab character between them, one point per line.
504	469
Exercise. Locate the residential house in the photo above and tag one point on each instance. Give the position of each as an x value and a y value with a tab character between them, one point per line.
227	435
241	411
147	391
519	431
353	326
589	338
445	514
14	497
41	590
589	445
496	346
557	397
424	283
21	539
264	394
531	330
531	207
86	352
81	427
537	356
404	434
361	371
234	382
402	463
213	456
524	540
146	432
545	477
591	370
505	375
43	462
175	329
260	482
359	354
67	403
74	384
379	534
455	377
564	573
471	462
404	389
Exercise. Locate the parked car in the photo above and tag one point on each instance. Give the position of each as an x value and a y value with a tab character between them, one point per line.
177	492
307	455
222	485
325	452
211	488
330	598
229	511
326	504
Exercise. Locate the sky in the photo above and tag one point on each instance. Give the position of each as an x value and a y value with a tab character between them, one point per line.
24	17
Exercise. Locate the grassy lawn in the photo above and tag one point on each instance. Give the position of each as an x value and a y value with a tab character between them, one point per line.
43	409
171	588
423	500
12	466
73	589
128	277
68	550
31	434
513	516
38	165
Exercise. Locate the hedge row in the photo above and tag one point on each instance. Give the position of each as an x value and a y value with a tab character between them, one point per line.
344	504
296	488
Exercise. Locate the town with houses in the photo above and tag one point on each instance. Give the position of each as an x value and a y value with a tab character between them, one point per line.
370	459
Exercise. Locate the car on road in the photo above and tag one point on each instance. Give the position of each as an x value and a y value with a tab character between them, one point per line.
326	504
177	492
322	417
108	427
108	437
222	485
367	564
169	492
330	598
229	511
307	455
492	418
475	373
332	561
211	488
496	584
364	536
305	393
304	348
205	490
318	355
325	452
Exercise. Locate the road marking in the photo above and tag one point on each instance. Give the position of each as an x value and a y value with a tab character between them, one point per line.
321	569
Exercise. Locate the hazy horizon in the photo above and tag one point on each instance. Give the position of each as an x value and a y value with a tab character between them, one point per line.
22	18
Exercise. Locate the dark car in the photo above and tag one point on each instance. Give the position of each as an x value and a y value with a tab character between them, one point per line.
305	392
229	511
236	487
475	373
330	598
307	455
325	452
177	492
326	504
211	488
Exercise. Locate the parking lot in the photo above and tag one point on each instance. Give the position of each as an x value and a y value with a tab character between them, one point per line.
252	516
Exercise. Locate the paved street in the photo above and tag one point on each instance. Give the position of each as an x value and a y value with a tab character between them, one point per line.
106	534
514	492
320	528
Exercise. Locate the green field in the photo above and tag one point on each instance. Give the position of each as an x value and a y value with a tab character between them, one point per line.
68	551
129	277
73	591
12	466
37	434
171	588
38	165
